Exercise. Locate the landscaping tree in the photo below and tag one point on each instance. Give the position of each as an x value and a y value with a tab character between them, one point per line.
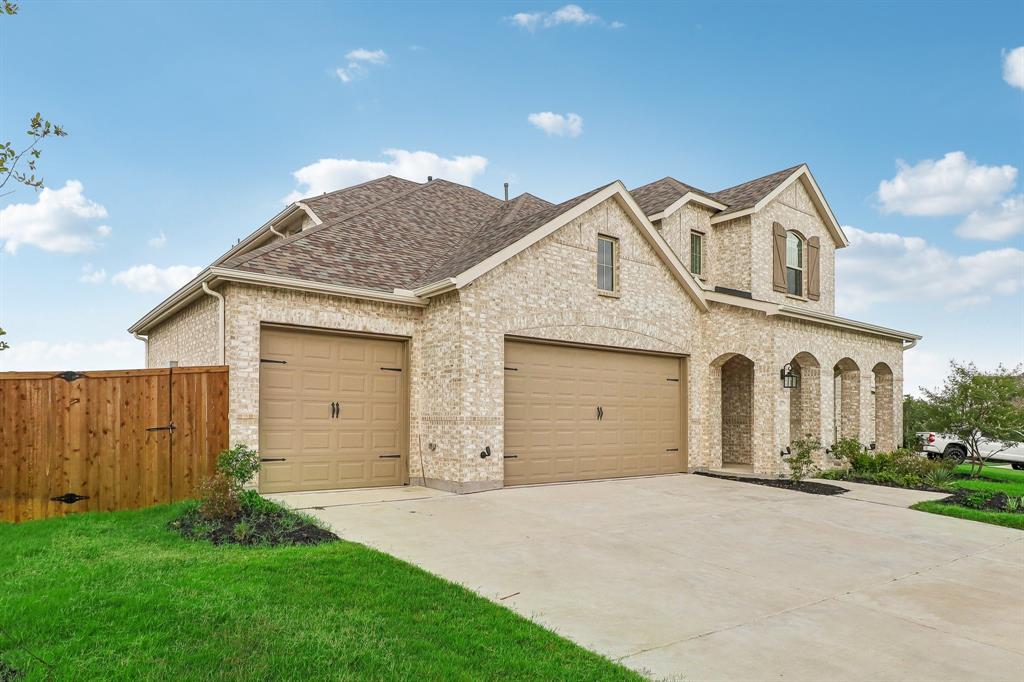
977	407
38	130
801	458
916	418
3	344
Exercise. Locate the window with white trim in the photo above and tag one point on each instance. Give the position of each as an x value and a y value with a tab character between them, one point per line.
794	264
607	278
696	253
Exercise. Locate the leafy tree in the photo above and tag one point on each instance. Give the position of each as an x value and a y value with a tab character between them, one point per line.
801	458
3	344
916	418
975	406
12	154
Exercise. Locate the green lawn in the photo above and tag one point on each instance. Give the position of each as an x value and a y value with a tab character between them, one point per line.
992	480
117	596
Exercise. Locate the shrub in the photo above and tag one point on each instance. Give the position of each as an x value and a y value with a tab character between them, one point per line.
940	475
218	498
847	449
801	458
239	464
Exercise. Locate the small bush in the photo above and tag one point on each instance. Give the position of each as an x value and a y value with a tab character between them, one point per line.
801	458
218	498
941	475
240	464
847	449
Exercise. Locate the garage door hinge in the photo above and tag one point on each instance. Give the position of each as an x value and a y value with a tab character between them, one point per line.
274	362
273	459
392	369
389	456
511	369
511	456
670	379
671	449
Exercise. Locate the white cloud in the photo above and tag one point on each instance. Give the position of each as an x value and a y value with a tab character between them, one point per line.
363	55
358	59
568	14
151	279
35	356
996	223
91	275
1013	67
568	125
882	267
159	241
61	220
327	175
952	185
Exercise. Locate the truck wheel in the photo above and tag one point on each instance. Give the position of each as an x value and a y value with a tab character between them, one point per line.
1017	465
955	454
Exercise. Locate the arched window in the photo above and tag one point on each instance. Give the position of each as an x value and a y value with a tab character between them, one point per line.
794	264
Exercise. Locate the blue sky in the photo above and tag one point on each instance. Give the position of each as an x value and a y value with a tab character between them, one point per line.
192	122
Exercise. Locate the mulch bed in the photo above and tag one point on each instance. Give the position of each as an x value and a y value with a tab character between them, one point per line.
279	528
811	487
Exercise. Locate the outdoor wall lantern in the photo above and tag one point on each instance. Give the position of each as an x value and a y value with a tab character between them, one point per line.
790	379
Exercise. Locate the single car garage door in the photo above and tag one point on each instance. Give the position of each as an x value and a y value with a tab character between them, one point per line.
332	411
574	413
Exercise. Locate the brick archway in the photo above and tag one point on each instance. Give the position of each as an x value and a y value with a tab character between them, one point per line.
846	375
805	399
886	438
732	382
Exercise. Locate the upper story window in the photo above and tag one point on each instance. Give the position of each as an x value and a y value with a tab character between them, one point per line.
696	253
607	255
794	264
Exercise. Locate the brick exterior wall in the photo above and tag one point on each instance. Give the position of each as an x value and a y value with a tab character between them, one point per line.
456	348
189	338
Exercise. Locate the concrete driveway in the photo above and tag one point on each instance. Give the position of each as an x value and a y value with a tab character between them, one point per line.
689	577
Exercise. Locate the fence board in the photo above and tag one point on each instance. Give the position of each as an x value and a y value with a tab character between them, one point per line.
89	437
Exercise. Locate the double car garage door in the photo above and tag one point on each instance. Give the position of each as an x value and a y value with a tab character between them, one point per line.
333	411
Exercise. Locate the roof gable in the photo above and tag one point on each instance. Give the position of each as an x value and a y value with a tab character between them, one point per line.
753	196
526	232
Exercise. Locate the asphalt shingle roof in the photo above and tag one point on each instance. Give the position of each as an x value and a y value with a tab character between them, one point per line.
393	233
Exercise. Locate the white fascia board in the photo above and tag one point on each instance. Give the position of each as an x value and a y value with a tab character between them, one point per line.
214	275
834	228
845	323
262	231
685	199
313	216
618	190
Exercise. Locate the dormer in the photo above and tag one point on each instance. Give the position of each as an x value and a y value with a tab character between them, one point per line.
772	239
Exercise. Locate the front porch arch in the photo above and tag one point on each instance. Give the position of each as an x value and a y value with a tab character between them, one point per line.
805	399
846	408
886	438
732	380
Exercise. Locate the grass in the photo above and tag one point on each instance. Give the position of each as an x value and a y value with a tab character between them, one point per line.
991	480
118	596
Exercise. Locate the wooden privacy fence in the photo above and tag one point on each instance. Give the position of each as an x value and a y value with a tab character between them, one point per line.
119	439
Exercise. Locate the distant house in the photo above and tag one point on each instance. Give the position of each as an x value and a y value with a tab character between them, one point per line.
398	331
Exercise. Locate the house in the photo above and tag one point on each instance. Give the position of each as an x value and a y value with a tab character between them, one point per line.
426	332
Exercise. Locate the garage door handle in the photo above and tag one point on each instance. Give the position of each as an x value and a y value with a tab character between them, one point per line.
600	413
273	459
389	456
511	456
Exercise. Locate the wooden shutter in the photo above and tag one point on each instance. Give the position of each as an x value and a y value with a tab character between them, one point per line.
779	258
813	269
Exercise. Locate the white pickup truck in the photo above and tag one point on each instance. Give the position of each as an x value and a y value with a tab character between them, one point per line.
945	445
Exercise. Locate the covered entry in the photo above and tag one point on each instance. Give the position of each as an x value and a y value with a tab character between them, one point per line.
574	413
332	411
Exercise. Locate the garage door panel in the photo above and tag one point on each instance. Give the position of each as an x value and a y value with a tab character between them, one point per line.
296	421
552	422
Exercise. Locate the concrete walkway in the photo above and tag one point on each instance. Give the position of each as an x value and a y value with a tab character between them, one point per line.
690	577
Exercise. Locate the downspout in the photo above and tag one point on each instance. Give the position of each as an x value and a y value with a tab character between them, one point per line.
220	320
145	340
